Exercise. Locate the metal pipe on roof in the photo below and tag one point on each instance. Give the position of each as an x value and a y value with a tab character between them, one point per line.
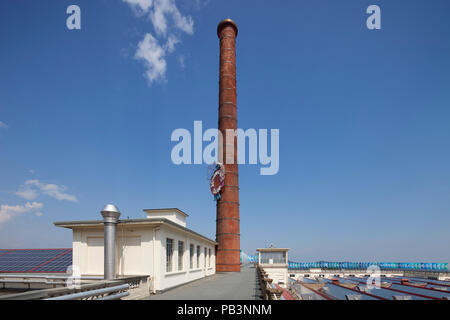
111	216
116	296
91	293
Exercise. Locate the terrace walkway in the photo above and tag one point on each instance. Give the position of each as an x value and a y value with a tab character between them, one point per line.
220	286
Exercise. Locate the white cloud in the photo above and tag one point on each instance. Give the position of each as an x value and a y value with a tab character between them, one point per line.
33	188
3	125
160	11
142	5
167	20
7	212
198	4
171	42
27	193
152	54
181	62
164	10
38	214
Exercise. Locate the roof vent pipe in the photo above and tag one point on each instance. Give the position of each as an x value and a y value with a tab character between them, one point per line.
110	215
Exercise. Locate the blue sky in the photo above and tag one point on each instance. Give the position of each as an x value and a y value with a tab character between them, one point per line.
363	118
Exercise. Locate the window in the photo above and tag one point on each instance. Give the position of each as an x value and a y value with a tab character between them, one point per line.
209	258
191	256
204	265
198	256
169	254
273	257
180	255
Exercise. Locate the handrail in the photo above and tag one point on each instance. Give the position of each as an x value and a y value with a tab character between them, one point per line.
47	293
132	281
92	293
115	296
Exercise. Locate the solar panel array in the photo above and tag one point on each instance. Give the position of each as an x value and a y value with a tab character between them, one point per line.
3	251
35	260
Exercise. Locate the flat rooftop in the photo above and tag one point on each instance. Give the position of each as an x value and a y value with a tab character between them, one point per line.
220	286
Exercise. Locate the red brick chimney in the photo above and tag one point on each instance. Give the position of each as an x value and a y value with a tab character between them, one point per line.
227	231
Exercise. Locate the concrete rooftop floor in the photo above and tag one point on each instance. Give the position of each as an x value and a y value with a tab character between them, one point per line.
220	286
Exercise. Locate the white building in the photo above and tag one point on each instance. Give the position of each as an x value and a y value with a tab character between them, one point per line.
275	262
159	246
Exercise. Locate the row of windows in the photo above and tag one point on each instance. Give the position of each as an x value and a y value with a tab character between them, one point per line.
192	257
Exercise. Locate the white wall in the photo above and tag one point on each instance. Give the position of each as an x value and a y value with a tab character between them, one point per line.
142	251
177	277
95	255
134	251
173	216
277	274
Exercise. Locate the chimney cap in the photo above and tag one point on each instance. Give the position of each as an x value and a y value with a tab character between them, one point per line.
111	208
223	23
110	213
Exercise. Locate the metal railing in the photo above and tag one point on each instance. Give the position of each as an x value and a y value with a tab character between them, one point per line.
110	293
103	290
268	290
46	280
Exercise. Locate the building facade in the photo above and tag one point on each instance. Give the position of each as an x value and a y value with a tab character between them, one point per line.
159	246
275	262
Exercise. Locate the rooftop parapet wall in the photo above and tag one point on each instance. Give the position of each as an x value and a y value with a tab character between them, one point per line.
175	215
